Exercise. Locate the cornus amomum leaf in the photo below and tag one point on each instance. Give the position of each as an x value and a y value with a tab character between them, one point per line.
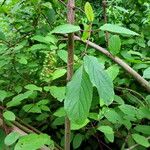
117	29
66	28
100	79
78	97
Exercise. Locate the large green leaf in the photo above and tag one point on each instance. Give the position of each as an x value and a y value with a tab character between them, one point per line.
33	142
117	29
66	28
78	97
141	140
100	79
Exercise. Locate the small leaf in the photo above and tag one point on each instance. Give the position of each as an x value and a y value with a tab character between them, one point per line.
143	129
77	141
108	132
89	11
66	28
86	33
33	87
75	126
78	97
9	115
60	112
115	44
58	92
113	71
106	129
58	73
33	108
117	29
2	36
3	95
64	54
18	99
146	73
11	138
141	140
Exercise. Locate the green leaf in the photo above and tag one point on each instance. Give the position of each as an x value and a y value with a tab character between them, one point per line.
77	141
2	36
117	29
112	116
60	112
58	73
114	44
100	79
108	132
141	140
3	95
143	129
9	115
66	28
38	47
18	99
113	71
86	33
58	92
33	108
89	11
33	87
75	126
146	73
23	60
11	138
33	142
78	97
64	54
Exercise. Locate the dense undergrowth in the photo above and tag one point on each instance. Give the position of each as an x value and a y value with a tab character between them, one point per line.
107	106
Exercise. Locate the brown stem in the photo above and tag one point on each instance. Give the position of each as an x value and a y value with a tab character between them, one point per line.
70	18
120	62
104	4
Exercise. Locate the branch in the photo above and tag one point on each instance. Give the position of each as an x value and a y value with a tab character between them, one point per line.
120	62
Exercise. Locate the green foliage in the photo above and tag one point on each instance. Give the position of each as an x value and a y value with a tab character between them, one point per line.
101	100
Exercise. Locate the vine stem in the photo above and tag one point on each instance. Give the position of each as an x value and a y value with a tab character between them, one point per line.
70	19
